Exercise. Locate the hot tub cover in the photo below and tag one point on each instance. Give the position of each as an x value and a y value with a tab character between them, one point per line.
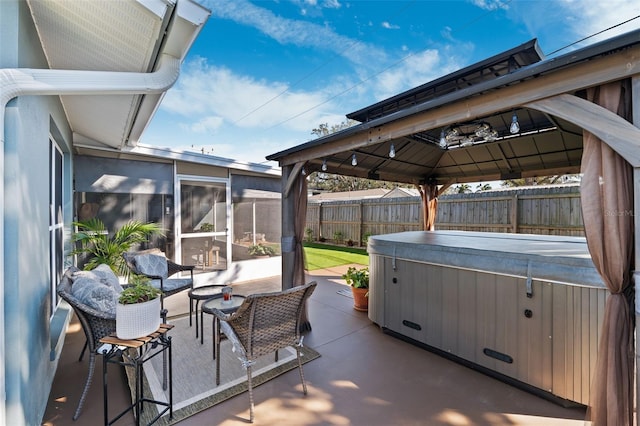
561	259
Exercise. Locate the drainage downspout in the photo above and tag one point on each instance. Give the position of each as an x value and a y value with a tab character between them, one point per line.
22	82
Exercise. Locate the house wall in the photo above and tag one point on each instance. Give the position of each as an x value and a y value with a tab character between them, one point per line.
29	363
98	179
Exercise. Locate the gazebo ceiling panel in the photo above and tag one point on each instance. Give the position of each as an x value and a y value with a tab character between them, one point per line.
418	161
524	147
481	154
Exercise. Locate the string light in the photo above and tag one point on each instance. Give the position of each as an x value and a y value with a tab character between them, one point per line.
443	140
354	160
515	126
392	151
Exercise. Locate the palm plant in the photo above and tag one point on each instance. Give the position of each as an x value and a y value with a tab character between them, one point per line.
95	242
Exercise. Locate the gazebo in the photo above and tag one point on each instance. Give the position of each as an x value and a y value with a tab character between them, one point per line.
510	116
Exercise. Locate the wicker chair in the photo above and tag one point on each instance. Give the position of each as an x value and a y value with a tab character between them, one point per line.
168	286
95	325
264	323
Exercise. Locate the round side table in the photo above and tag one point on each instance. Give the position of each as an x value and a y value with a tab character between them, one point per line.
197	294
216	302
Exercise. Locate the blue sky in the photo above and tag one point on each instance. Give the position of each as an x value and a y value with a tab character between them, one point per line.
263	74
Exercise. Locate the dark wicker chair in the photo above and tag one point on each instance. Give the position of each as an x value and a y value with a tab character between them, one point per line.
264	323
95	325
168	286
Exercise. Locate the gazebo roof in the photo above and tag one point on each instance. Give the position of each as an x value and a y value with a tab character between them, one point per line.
490	92
486	70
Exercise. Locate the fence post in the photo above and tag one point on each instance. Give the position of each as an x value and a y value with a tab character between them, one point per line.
514	214
361	226
320	222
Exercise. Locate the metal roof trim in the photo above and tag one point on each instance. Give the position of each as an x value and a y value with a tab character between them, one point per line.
194	157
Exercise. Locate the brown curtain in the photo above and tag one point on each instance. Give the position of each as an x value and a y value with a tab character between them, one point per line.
429	196
300	207
607	207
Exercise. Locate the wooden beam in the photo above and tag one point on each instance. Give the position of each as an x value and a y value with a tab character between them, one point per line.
288	232
616	66
618	133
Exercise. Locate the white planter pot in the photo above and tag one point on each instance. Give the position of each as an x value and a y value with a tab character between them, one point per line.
137	319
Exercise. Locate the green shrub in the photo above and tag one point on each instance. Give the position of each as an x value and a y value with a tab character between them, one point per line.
261	250
139	291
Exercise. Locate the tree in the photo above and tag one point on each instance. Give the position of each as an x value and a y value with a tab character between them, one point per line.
324	129
483	187
541	180
463	188
339	183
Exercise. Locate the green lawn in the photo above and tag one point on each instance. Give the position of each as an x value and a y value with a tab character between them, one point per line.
320	256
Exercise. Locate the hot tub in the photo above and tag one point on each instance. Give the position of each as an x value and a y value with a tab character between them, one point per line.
523	308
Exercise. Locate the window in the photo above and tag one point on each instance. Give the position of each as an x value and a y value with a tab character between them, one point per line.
56	222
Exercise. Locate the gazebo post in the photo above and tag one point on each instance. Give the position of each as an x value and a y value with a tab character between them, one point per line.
635	102
636	272
288	231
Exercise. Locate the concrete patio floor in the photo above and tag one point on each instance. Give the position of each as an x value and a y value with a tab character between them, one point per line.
364	377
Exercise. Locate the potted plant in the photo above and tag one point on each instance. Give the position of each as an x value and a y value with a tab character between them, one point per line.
260	250
93	240
358	279
138	309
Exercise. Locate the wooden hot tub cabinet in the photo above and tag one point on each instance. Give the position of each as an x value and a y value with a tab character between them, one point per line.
524	308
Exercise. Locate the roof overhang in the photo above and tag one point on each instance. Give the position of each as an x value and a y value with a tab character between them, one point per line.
549	141
142	152
123	36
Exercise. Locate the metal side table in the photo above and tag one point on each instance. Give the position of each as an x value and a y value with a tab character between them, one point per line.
134	353
216	302
198	294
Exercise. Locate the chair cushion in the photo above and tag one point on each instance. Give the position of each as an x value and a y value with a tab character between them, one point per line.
173	284
102	273
152	264
95	294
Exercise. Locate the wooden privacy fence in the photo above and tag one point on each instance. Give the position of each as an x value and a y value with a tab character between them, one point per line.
551	210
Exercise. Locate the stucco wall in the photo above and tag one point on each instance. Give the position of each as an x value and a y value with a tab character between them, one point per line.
29	122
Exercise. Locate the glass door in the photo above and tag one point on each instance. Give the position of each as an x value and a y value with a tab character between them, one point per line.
204	223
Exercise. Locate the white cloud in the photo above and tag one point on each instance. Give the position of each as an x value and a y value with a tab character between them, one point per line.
389	26
214	97
564	22
206	125
491	4
588	17
415	70
331	4
446	33
296	32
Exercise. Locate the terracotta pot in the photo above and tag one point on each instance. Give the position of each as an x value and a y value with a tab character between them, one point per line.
360	300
